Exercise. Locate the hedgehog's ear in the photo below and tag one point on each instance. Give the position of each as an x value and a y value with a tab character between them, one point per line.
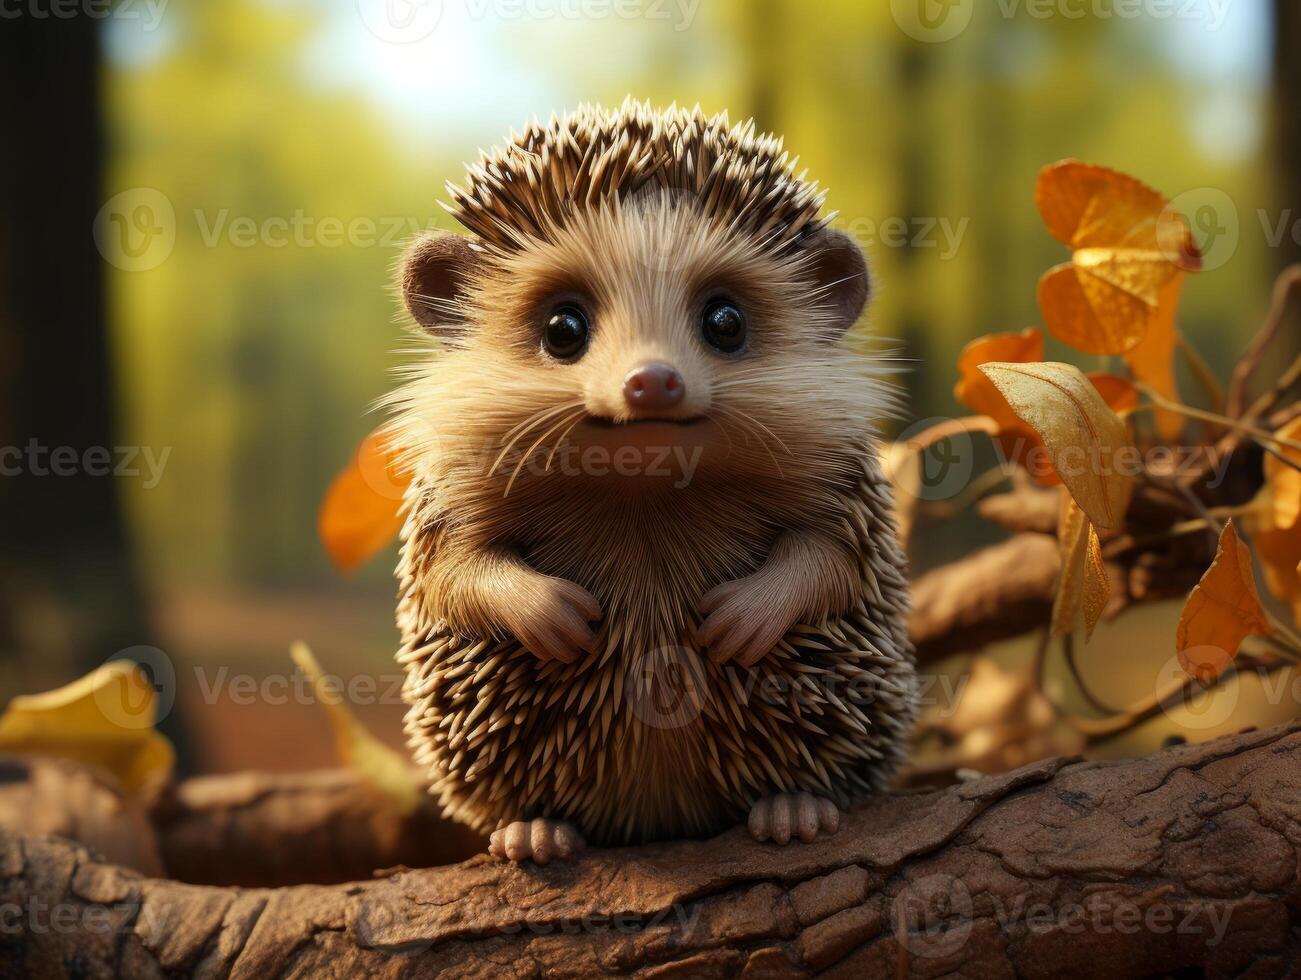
839	270
434	275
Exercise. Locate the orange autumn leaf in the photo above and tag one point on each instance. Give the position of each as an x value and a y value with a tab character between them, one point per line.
1083	585
1126	246
1284	481
1275	523
1119	393
1222	610
1082	436
975	390
360	512
1019	442
1152	360
1280	561
1016	439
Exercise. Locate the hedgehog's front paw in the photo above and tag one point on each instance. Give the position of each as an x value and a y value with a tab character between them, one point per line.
550	618
537	840
744	619
779	817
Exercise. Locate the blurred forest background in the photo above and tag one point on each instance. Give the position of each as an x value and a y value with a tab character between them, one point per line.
251	358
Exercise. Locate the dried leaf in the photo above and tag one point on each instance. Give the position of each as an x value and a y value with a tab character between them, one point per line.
361	510
104	719
383	769
1081	434
1222	611
1152	360
1126	245
1097	584
1084	584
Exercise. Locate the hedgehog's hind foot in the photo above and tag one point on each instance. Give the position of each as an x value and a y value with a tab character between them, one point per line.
539	841
782	816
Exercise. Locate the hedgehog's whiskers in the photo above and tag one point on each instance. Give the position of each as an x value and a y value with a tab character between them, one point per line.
522	429
524	457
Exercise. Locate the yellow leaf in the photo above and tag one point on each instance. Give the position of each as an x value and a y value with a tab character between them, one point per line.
1126	245
104	719
385	770
361	512
1084	584
1081	434
1222	611
1152	359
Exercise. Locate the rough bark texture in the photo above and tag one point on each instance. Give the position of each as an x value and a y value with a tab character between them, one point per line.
1182	861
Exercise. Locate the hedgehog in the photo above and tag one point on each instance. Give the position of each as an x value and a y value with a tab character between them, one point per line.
650	585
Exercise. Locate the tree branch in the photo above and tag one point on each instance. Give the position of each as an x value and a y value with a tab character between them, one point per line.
1184	860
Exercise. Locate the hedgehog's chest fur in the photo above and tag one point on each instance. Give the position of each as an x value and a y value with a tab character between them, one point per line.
646	738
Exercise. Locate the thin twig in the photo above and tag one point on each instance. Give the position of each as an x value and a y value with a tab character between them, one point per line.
1202	372
1288	280
1097	730
1068	650
1260	435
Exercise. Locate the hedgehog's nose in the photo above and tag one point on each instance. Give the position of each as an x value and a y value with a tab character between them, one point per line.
653	387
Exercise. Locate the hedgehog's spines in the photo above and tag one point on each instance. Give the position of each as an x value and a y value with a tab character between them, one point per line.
526	190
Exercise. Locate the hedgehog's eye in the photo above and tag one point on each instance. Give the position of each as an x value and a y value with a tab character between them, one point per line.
565	333
723	325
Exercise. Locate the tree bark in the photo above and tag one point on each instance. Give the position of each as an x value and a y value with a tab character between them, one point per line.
69	589
1183	860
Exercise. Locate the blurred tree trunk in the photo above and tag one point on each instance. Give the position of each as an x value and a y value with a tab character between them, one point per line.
1287	117
69	593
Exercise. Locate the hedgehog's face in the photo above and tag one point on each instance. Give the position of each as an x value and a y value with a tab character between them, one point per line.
646	331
